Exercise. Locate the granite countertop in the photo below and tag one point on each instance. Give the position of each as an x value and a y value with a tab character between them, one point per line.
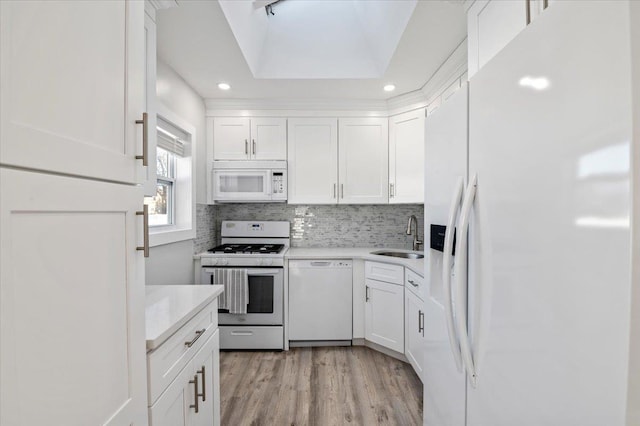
416	265
169	307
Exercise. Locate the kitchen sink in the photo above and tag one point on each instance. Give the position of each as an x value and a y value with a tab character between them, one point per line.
402	254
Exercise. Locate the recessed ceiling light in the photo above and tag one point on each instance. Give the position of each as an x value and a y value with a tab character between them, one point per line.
224	86
389	87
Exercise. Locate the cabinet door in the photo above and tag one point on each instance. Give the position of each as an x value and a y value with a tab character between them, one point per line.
206	367
363	161
492	24
406	157
71	87
384	314
269	138
150	103
71	302
313	160
414	331
172	408
231	138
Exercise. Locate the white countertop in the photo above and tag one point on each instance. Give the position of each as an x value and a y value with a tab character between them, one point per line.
416	265
169	307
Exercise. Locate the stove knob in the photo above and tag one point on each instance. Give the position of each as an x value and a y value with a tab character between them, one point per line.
268	262
214	261
223	261
259	262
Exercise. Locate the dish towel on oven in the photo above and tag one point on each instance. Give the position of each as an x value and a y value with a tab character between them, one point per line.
236	289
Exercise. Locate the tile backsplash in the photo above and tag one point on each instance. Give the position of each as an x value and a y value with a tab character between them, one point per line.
319	225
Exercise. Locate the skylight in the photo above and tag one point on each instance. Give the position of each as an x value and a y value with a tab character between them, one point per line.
318	39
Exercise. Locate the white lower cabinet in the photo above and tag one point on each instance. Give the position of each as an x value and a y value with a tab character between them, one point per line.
414	331
384	314
193	397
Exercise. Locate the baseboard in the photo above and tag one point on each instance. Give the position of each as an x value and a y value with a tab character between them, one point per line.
376	347
312	343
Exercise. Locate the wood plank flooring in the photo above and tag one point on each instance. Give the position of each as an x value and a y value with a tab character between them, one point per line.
318	387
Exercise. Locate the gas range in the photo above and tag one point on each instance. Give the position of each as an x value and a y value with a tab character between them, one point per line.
257	249
248	243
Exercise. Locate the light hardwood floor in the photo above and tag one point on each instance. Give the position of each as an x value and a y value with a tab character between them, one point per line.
318	387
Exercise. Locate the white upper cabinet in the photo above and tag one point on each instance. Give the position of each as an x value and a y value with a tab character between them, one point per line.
492	24
231	137
363	160
89	58
313	161
249	138
406	157
269	138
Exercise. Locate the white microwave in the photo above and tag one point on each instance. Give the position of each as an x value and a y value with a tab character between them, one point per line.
249	181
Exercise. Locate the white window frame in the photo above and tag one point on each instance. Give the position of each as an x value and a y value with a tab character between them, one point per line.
184	202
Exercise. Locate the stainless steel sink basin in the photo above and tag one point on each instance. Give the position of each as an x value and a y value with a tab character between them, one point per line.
402	254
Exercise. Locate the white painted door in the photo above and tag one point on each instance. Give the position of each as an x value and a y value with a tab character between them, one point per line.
406	157
363	162
492	24
71	87
549	276
204	367
384	314
269	138
414	331
445	179
231	138
71	302
313	160
150	103
172	408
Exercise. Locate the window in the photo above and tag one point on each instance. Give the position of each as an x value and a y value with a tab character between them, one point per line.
161	206
172	208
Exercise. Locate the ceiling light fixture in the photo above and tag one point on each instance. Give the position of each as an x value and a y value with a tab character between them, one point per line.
224	86
389	88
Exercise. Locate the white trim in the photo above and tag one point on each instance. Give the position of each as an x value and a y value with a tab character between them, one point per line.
180	232
452	69
152	6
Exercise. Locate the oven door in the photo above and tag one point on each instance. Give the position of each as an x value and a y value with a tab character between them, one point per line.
266	296
242	185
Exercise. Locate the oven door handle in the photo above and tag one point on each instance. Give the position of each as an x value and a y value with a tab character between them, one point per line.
264	272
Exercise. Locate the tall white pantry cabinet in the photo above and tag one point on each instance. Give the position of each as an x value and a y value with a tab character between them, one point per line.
72	344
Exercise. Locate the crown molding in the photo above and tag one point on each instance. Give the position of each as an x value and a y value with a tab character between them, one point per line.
294	107
163	4
454	67
406	102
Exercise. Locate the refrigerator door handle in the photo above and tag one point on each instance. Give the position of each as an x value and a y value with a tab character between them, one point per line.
447	259
461	281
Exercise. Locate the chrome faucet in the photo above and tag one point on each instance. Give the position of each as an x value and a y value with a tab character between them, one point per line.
416	241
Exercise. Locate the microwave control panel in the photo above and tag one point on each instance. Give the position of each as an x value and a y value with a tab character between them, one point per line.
277	183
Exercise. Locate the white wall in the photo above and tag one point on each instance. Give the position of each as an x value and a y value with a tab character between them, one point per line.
173	263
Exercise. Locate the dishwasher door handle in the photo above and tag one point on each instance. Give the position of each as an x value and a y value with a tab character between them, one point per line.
320	263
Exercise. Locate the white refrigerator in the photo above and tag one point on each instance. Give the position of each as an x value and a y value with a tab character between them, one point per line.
530	322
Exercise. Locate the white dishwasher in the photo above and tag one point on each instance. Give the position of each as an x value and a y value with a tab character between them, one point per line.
320	302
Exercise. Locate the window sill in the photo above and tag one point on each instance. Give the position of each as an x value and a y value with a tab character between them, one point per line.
170	234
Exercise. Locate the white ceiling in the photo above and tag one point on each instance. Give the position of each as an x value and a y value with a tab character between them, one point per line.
196	40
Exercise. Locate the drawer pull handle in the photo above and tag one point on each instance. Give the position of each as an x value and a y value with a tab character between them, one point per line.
198	334
204	385
413	283
242	333
194	382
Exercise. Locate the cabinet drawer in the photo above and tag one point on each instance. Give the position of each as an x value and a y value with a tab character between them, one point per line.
414	282
384	272
166	362
247	337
